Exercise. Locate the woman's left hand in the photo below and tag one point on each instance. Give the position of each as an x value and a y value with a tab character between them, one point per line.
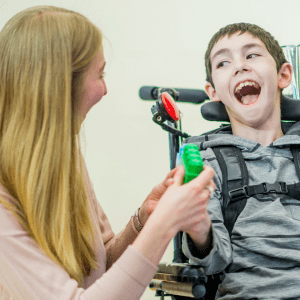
151	201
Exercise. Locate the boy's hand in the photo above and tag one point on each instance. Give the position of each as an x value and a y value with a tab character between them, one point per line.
151	201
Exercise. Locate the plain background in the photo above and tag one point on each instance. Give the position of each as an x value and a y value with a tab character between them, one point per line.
160	43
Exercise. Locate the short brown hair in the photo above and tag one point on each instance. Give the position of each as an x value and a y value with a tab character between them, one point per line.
271	44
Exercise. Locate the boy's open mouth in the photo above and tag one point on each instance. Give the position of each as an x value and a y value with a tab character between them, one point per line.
247	92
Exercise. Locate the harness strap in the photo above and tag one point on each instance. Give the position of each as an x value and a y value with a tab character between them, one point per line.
235	175
235	188
263	188
279	187
296	155
294	190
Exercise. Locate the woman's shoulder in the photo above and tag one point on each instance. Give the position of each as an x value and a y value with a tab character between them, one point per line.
9	224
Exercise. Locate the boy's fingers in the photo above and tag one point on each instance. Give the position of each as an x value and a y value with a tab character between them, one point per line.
210	188
210	170
204	177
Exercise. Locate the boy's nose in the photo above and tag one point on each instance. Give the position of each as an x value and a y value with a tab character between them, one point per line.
241	66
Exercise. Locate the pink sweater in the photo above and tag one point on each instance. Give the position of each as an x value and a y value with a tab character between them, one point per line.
27	273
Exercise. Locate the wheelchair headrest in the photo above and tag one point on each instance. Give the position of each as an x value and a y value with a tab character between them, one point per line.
216	111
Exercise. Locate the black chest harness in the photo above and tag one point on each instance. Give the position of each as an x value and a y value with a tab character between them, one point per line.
235	188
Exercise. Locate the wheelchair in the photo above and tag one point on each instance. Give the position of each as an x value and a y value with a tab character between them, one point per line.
179	279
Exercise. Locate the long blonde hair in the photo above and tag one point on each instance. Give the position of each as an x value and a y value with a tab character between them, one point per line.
45	51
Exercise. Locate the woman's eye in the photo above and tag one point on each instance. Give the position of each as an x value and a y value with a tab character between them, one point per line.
102	75
222	64
252	55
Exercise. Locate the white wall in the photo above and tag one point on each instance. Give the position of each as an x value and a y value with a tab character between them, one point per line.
161	43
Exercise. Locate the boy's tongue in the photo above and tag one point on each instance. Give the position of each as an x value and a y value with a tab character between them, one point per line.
249	99
248	94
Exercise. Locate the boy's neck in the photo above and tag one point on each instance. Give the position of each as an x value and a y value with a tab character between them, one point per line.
264	135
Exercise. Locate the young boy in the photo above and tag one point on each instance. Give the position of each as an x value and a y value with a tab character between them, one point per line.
246	70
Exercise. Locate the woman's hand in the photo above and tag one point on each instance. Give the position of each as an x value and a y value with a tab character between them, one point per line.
151	201
183	207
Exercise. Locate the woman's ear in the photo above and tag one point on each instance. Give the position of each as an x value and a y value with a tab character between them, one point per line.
211	92
285	75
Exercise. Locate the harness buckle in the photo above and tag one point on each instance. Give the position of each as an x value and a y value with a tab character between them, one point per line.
238	194
279	187
276	187
284	188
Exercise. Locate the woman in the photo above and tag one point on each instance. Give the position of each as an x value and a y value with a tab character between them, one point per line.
55	240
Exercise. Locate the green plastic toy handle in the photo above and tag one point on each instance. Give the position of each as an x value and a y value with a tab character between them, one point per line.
192	161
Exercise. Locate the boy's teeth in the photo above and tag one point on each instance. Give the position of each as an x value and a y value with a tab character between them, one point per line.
242	84
247	92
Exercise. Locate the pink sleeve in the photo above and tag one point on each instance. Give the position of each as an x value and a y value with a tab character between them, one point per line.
27	273
127	279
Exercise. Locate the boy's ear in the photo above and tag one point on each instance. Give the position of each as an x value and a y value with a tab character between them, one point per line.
285	75
211	92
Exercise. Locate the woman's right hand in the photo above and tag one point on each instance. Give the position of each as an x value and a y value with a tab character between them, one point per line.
183	206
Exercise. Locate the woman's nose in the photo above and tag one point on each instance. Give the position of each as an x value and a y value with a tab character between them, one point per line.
105	88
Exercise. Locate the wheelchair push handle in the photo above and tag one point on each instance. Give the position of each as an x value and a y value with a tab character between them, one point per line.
180	95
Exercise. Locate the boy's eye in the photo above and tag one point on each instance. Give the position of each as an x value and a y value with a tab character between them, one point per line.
222	64
252	55
102	75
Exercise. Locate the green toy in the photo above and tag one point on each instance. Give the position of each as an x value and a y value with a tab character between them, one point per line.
189	157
